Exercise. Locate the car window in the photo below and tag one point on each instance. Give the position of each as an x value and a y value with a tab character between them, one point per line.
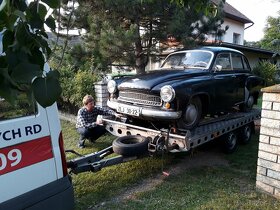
22	107
246	64
197	59
173	60
223	60
190	59
237	62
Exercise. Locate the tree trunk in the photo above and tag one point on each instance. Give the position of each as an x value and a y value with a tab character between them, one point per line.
140	57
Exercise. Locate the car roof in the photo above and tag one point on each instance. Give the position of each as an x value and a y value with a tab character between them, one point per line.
213	49
220	49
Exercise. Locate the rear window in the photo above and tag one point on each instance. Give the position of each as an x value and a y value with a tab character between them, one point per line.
24	106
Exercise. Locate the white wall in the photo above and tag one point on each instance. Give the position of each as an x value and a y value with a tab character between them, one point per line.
234	27
254	58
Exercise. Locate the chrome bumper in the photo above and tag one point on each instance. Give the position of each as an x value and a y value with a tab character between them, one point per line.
151	113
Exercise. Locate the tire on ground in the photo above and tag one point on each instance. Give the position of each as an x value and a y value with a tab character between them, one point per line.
131	145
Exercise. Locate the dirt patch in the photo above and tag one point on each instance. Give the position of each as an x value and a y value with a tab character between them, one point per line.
199	158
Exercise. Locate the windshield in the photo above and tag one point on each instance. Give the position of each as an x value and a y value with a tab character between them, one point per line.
189	59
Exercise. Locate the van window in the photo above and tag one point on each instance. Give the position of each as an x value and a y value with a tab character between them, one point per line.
24	106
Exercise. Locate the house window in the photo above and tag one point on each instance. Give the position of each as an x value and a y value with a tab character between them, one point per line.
236	38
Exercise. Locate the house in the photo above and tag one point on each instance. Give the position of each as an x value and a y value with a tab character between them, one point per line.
237	23
255	55
233	38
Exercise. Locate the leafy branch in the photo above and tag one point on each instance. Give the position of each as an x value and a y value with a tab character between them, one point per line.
25	50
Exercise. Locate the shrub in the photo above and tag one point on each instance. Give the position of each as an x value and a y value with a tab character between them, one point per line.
75	85
77	77
83	84
267	71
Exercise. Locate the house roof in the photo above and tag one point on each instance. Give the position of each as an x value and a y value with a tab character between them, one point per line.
248	49
232	13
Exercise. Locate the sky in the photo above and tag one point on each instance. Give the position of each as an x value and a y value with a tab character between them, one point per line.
257	11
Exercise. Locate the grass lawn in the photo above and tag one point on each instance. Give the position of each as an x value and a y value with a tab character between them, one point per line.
93	188
226	186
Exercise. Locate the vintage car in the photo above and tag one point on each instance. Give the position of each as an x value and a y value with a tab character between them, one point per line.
189	85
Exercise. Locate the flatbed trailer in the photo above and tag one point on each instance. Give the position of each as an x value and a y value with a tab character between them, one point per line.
232	126
185	140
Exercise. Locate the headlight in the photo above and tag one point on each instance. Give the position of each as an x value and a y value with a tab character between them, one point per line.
112	86
167	93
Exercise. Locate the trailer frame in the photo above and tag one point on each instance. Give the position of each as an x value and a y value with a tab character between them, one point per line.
164	140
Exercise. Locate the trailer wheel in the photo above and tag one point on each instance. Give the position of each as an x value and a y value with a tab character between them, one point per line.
245	134
230	142
131	145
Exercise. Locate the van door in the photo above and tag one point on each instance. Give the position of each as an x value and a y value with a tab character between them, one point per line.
26	149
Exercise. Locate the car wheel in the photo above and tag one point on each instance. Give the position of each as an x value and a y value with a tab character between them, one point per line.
230	142
245	134
131	145
248	105
191	115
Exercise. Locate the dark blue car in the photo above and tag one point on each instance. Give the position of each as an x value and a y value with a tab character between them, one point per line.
189	85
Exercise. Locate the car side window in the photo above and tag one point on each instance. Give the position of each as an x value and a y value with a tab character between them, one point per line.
223	60
22	107
246	64
237	62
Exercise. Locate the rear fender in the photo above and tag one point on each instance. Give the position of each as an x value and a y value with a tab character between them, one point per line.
253	82
253	86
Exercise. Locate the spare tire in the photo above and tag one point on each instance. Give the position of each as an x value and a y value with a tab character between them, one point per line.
131	145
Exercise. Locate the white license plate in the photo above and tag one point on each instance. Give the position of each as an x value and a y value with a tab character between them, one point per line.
129	110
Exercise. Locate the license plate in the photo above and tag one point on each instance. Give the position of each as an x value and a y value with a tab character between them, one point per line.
129	110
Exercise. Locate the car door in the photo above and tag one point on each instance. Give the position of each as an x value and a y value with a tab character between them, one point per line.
225	83
242	70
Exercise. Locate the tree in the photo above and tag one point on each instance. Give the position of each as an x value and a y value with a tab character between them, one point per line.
129	32
25	48
271	40
256	44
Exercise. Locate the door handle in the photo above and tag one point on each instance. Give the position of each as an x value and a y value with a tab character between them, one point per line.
233	76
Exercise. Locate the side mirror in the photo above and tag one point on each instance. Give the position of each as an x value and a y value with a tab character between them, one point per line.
218	68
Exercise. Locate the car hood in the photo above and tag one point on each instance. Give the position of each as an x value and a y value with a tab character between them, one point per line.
149	80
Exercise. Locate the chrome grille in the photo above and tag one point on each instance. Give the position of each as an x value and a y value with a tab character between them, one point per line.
140	98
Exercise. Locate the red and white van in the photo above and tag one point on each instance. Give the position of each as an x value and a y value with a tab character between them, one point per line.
33	171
